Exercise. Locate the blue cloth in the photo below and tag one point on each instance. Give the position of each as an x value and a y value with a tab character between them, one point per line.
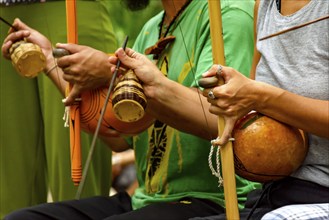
318	211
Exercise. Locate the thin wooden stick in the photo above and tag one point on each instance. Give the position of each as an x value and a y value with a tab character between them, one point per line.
7	23
93	143
294	28
232	211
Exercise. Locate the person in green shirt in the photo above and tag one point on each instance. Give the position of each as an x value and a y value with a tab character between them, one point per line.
173	173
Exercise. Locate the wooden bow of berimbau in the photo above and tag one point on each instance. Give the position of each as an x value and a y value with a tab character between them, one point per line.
228	172
74	112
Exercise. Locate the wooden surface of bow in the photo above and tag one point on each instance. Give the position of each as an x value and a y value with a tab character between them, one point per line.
75	143
228	172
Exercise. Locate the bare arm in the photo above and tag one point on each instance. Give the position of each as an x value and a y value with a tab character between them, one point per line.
30	35
310	115
170	98
169	101
239	95
73	67
85	68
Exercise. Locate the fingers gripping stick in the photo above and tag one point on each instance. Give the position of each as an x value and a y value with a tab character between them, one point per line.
212	81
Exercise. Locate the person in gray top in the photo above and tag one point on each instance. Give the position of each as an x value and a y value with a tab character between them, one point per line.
291	72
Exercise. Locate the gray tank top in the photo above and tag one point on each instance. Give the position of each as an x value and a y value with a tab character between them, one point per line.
298	61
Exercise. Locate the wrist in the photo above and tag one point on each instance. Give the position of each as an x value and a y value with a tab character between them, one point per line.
158	88
266	96
259	95
50	69
51	64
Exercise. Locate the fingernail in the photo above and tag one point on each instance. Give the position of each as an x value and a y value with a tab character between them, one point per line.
26	32
205	73
59	44
122	52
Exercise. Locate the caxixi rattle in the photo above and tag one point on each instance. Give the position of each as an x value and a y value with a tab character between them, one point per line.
27	58
128	100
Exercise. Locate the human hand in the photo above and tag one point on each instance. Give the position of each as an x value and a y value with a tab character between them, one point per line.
232	100
85	68
30	35
145	69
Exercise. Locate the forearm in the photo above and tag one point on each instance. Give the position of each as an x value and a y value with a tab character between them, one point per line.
55	74
187	105
308	114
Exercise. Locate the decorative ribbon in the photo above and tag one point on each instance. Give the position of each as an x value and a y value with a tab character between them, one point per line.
216	31
75	143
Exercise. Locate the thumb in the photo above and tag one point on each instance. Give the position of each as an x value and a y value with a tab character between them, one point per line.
127	57
19	25
71	48
228	73
73	95
226	135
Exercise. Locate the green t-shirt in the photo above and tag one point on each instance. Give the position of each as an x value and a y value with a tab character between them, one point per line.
171	164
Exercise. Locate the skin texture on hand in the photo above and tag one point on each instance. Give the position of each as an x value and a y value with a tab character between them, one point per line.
233	99
30	35
145	70
239	95
166	97
85	68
